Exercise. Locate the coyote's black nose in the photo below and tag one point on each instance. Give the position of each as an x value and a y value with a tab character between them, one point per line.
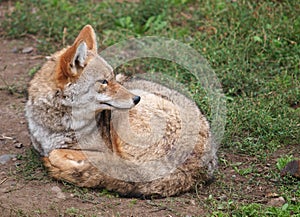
136	99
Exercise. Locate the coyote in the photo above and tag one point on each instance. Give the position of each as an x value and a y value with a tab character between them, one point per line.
138	138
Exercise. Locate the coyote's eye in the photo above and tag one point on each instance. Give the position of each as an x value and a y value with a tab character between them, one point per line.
103	81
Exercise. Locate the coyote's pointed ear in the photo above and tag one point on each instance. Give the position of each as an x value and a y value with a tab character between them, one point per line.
74	59
87	34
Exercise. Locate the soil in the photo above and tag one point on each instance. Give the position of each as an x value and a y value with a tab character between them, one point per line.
26	190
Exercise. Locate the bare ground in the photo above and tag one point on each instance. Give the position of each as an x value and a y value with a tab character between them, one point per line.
26	190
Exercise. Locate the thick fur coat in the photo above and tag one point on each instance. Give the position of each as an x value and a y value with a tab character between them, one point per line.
139	138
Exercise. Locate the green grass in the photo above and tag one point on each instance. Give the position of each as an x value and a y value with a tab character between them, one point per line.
253	210
31	167
253	47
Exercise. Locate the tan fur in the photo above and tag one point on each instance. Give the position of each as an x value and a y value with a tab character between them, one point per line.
53	95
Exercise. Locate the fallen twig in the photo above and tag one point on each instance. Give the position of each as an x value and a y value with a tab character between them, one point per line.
6	137
4	180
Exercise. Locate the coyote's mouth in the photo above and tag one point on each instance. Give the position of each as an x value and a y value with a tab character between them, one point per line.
120	104
107	104
111	106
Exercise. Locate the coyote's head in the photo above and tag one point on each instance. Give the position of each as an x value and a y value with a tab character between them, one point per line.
85	77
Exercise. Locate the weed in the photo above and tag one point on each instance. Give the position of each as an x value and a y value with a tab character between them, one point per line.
72	211
33	70
108	194
245	171
282	161
31	167
133	202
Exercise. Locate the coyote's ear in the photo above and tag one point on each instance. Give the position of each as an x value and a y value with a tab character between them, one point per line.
79	58
71	63
87	34
73	60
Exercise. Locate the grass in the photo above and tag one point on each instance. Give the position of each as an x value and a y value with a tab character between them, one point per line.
253	47
32	168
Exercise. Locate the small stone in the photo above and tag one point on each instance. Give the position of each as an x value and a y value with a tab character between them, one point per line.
18	145
27	50
193	202
55	189
6	157
61	196
277	202
59	193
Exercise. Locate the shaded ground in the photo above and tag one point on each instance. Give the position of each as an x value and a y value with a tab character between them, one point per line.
26	190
